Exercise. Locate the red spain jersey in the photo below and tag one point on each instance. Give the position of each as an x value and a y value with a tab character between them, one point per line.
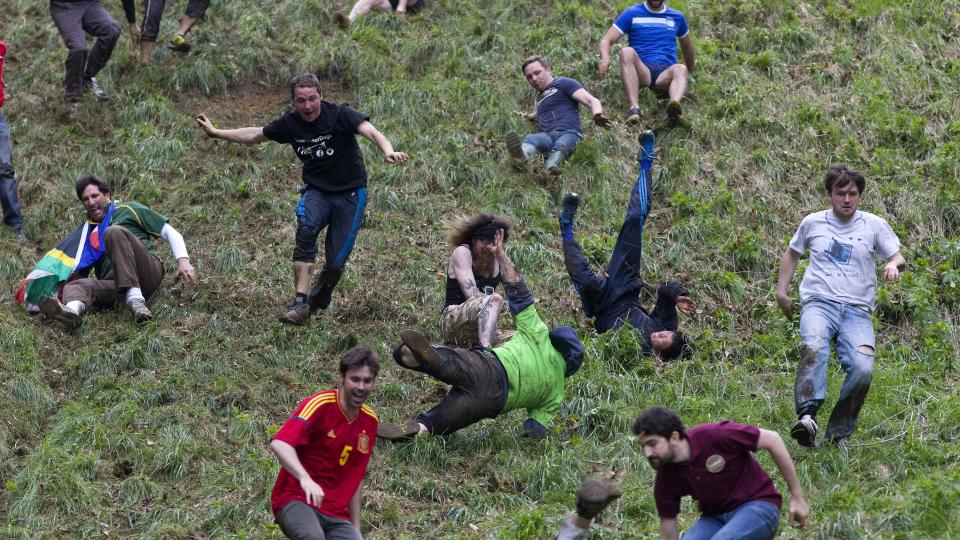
332	448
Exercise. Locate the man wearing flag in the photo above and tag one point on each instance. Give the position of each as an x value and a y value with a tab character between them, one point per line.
116	243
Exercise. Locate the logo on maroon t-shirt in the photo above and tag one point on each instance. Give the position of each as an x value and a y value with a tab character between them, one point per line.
715	463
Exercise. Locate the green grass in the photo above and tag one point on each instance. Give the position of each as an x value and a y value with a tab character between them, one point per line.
162	431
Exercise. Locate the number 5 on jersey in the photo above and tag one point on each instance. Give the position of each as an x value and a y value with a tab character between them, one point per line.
345	454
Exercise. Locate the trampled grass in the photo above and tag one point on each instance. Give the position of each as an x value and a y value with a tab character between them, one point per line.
162	431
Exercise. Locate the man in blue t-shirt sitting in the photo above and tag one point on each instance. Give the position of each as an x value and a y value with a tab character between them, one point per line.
652	29
557	116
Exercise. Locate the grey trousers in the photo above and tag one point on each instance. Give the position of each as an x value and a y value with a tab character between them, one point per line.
153	11
300	521
75	20
133	266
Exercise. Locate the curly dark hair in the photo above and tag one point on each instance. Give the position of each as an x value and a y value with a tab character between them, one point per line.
659	420
461	229
91	179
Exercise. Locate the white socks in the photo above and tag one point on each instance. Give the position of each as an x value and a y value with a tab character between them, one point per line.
569	531
76	306
134	293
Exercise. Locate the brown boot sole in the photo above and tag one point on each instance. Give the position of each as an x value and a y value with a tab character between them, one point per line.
393	432
51	309
421	347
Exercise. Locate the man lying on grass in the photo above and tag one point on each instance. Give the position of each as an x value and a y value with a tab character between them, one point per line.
527	372
614	300
115	243
714	464
323	449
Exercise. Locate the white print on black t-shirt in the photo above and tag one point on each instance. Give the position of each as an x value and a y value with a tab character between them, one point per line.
317	150
545	94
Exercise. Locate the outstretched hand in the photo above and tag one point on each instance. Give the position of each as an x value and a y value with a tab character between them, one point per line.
685	305
205	124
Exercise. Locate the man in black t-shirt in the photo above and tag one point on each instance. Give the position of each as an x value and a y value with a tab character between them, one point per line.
334	193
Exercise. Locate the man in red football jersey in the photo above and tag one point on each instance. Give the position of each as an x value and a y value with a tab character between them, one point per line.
323	450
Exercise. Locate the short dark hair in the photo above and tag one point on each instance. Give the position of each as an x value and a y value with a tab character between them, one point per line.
659	420
682	347
304	80
532	59
91	179
841	175
358	357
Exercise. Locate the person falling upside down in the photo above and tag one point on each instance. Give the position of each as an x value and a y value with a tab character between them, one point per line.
527	372
614	299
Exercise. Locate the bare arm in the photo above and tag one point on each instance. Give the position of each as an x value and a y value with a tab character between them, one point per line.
354	507
509	273
689	55
461	269
611	37
287	455
668	529
891	270
596	109
245	135
373	134
788	265
771	442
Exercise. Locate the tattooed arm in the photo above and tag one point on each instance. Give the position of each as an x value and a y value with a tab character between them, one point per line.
518	295
461	269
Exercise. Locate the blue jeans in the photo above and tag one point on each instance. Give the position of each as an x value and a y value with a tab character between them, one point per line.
754	520
554	141
8	182
851	328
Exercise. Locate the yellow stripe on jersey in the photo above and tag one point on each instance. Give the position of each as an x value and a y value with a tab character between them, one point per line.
315	403
368	410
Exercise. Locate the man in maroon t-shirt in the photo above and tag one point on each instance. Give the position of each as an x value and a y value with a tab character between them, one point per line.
324	448
714	464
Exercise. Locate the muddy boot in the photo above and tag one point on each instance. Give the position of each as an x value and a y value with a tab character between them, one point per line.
594	495
421	348
393	432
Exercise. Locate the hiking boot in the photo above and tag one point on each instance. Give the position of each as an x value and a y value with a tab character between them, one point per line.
674	110
20	237
646	154
568	209
804	431
298	313
421	348
93	86
633	115
180	43
141	313
393	432
341	20
594	495
55	311
515	148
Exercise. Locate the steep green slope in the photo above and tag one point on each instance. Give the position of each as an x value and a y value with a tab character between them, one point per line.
161	431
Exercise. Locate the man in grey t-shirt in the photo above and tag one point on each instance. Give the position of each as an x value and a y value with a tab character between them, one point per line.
837	297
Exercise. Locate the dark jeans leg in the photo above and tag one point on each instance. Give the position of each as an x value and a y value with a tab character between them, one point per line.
133	265
346	218
590	286
152	13
625	260
68	17
479	390
98	23
313	214
8	182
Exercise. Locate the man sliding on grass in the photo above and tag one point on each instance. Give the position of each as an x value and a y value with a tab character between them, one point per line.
614	300
527	372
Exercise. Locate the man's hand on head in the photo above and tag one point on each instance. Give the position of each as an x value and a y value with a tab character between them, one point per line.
685	305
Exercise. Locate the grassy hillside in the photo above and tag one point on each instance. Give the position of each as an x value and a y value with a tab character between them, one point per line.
162	431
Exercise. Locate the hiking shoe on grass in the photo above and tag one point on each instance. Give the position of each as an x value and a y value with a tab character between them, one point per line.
341	20
55	311
393	432
674	110
421	347
94	87
568	208
141	313
646	154
180	43
515	148
594	495
633	115
298	313
804	431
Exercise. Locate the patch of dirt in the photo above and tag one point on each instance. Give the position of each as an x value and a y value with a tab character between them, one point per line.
254	103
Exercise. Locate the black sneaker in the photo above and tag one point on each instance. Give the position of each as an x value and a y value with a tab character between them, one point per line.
633	115
298	313
55	311
568	209
93	86
393	432
805	431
